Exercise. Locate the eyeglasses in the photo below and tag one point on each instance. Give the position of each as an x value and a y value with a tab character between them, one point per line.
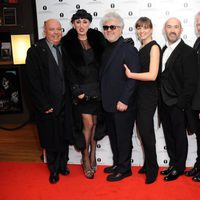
111	27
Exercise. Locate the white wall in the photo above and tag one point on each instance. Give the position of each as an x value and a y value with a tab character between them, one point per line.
158	11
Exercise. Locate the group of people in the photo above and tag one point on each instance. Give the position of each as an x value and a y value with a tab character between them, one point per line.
88	84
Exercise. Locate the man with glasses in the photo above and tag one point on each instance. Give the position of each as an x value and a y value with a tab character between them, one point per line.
118	95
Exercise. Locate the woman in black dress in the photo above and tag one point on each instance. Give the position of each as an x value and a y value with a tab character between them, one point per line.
147	99
84	47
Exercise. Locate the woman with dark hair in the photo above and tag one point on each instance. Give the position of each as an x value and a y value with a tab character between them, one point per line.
147	99
84	47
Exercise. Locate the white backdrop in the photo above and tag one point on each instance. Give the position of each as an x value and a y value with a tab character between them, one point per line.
158	11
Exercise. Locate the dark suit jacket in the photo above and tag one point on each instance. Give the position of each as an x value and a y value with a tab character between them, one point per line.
180	74
196	100
115	86
46	96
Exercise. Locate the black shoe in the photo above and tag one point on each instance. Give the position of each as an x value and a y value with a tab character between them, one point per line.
196	178
167	170
150	180
192	172
117	176
142	170
173	175
151	176
110	169
54	178
64	171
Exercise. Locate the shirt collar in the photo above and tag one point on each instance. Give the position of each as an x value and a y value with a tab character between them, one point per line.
174	45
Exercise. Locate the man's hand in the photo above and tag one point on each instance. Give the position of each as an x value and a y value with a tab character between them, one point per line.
49	111
81	96
121	106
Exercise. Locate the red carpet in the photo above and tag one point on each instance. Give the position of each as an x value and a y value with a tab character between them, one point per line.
29	181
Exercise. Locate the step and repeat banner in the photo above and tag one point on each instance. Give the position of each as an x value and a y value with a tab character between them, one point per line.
158	11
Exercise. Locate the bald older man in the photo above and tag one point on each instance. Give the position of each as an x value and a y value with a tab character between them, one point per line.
50	94
178	82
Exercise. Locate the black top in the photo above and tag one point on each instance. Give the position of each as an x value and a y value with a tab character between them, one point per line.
144	56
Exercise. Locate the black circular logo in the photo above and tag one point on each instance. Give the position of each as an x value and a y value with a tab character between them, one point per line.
44	7
130	29
98	159
165	161
95	14
98	146
112	5
130	13
149	5
61	14
77	6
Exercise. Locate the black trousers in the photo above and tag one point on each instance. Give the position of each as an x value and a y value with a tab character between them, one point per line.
120	131
145	125
56	160
173	122
197	163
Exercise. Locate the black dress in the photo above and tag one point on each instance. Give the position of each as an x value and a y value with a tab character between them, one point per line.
146	105
90	79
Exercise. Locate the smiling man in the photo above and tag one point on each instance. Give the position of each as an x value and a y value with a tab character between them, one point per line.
178	81
50	94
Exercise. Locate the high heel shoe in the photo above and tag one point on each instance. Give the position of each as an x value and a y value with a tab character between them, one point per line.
93	164
88	172
94	168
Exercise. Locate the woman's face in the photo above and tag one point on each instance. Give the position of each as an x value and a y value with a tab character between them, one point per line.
81	26
144	32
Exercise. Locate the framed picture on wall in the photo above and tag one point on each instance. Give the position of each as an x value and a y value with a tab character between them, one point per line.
9	16
10	91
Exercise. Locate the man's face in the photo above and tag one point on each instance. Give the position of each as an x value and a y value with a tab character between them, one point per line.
53	31
198	24
173	30
112	30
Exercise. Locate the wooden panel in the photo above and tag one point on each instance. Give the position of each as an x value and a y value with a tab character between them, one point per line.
20	145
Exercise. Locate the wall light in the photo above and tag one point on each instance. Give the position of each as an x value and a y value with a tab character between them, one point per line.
20	45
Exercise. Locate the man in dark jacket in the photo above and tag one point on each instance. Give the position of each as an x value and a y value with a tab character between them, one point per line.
50	94
118	95
195	171
178	82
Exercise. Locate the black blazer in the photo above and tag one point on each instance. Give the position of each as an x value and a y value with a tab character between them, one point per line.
181	73
38	61
196	99
115	86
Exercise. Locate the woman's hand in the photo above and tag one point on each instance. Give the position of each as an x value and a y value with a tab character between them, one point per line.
127	71
81	96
